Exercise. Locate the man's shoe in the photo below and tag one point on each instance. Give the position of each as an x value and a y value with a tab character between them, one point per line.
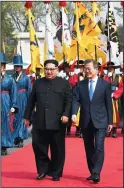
41	176
90	178
56	178
95	177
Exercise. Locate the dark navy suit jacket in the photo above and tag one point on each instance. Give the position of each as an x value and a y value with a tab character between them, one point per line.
99	109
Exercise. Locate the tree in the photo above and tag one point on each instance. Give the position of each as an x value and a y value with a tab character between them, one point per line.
121	37
7	31
14	19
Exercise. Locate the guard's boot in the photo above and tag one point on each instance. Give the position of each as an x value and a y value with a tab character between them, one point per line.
20	144
114	132
16	141
3	151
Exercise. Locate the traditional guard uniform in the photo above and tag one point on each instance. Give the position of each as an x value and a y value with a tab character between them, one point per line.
8	104
24	88
117	90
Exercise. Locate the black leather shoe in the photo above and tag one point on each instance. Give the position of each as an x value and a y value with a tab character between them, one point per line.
56	178
41	176
90	178
95	177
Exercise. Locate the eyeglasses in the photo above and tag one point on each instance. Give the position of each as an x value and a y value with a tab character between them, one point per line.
51	70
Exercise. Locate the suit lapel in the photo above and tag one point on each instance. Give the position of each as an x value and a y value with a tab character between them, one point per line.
96	88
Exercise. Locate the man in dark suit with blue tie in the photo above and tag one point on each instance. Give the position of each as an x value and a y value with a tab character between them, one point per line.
93	95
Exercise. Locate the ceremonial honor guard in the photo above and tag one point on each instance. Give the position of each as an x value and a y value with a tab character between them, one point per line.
8	107
117	90
100	71
24	88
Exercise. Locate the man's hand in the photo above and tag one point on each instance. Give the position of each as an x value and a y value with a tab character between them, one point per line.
10	113
64	119
74	118
27	123
109	128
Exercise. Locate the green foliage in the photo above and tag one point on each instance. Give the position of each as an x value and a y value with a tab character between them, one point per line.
121	37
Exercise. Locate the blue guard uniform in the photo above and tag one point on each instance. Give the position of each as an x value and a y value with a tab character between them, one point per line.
8	103
24	88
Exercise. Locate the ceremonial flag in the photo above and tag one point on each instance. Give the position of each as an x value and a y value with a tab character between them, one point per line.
58	40
34	47
49	43
95	10
111	33
66	37
85	31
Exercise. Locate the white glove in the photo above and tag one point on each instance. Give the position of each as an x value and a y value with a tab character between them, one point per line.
12	110
74	118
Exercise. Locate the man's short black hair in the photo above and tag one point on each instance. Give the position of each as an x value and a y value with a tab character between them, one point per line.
95	64
51	61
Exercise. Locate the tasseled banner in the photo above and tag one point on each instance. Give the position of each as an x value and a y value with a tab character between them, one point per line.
62	3
28	4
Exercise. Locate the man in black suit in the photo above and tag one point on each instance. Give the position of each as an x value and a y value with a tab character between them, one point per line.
53	97
93	95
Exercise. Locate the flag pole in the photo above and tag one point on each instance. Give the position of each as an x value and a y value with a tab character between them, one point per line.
109	46
78	54
64	59
95	53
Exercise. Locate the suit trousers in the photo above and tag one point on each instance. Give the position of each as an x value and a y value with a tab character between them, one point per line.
41	140
94	147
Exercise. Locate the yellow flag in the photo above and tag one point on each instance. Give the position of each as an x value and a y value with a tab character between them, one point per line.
34	48
85	31
99	53
95	9
87	21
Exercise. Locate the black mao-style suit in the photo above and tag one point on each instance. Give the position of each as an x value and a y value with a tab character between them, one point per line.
53	100
95	116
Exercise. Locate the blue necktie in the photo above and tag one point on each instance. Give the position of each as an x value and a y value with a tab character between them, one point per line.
91	90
